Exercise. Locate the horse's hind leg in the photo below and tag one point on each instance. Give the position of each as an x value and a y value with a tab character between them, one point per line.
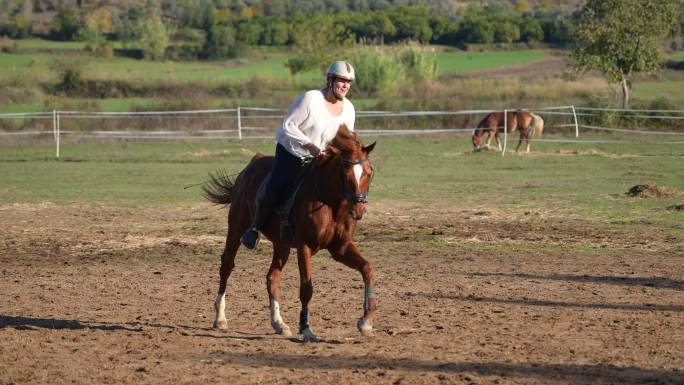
227	265
524	135
350	255
280	255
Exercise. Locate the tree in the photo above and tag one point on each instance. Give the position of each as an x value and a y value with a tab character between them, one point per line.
531	30
620	38
155	39
475	28
69	23
221	42
317	41
506	32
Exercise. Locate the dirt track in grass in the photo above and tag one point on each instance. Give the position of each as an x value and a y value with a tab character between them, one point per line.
114	295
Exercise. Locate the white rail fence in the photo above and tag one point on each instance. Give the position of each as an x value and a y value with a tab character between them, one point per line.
244	123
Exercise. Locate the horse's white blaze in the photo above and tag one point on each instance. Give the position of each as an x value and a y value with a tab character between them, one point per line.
358	171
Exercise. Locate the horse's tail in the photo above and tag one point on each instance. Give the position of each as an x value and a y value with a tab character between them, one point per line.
219	188
537	125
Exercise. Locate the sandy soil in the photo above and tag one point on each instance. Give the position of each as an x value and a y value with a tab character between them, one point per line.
115	295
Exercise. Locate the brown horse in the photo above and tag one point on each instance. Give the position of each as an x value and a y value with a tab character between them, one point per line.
523	121
332	200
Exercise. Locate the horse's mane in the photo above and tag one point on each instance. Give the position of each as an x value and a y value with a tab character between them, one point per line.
345	142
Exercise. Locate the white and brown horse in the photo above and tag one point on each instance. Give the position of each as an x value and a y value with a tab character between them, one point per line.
525	122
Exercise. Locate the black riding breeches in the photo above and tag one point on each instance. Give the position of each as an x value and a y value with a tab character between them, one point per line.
279	183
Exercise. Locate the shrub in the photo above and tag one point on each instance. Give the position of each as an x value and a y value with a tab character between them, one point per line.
71	79
8	45
419	64
377	71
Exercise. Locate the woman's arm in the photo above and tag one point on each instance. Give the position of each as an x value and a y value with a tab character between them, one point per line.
296	116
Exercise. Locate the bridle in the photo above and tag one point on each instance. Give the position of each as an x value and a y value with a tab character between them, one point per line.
351	197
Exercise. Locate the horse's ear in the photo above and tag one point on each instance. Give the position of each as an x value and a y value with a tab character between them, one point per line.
333	150
369	148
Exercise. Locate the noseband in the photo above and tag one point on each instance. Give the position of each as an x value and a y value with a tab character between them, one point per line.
351	197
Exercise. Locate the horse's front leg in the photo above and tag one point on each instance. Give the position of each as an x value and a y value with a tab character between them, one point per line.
350	255
489	139
305	292
280	256
496	136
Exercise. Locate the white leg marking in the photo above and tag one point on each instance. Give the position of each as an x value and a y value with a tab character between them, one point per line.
358	171
365	327
277	322
220	321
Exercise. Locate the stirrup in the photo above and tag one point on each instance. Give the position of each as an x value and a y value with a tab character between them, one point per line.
250	238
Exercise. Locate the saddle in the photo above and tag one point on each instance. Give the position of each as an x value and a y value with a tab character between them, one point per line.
284	211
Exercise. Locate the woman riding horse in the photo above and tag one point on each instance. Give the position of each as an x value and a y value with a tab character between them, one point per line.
310	124
332	199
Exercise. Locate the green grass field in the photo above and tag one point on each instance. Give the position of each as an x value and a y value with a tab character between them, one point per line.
450	61
265	63
679	55
587	180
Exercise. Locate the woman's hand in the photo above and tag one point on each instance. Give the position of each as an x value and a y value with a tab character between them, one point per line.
313	149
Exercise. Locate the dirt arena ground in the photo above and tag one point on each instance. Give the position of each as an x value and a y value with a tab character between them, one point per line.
116	295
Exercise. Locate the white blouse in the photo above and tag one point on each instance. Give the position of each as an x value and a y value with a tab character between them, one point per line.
308	121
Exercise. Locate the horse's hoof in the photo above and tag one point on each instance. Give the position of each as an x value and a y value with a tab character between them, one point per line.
282	329
309	336
365	327
221	324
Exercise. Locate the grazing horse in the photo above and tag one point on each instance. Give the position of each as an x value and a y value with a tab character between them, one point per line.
332	199
492	124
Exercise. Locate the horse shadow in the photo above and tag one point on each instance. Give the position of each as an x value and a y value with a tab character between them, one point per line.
571	373
31	323
36	323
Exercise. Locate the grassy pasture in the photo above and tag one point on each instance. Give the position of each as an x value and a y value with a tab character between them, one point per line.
679	55
459	61
33	64
578	179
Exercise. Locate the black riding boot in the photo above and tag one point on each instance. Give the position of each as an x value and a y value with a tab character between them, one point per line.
262	214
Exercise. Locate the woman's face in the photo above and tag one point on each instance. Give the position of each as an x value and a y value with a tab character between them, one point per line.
340	87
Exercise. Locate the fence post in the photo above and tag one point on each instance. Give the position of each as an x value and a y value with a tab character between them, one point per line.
503	152
574	114
239	123
59	133
55	131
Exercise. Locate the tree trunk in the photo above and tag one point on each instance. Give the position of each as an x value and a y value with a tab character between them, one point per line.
625	94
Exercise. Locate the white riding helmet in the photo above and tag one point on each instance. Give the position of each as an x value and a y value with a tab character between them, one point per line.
341	69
